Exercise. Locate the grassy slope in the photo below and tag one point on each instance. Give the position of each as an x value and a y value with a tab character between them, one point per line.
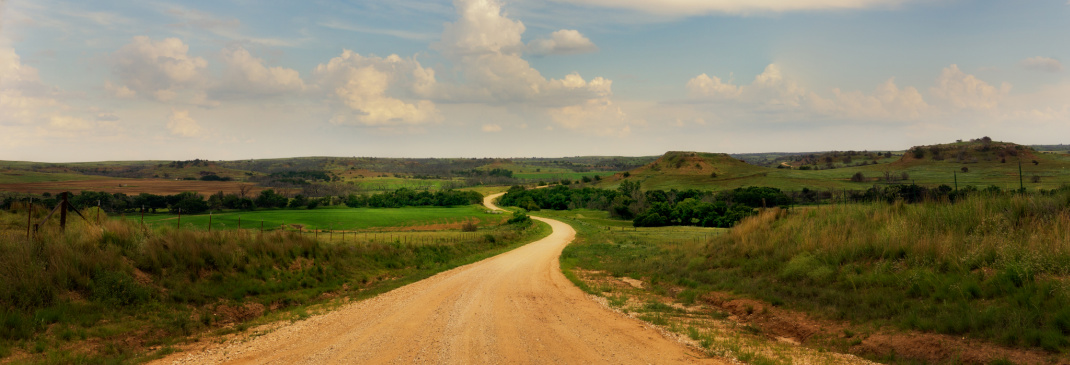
992	268
1054	170
115	295
336	218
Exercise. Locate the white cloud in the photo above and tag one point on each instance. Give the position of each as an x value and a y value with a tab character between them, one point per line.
706	86
491	128
597	116
147	66
179	123
565	41
161	69
119	91
247	74
372	88
482	29
964	91
739	7
486	47
1045	64
26	103
772	90
67	123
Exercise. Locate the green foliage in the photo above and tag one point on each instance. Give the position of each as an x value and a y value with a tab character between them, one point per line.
520	219
117	288
408	198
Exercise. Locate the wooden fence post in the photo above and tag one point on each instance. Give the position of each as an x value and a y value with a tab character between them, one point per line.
29	217
63	212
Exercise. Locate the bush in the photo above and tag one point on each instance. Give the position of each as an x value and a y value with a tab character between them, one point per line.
520	219
469	226
117	288
858	177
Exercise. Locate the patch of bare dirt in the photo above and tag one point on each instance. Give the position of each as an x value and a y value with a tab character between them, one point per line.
239	313
926	347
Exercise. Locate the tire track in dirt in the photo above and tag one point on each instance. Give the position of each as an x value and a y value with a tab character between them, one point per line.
513	308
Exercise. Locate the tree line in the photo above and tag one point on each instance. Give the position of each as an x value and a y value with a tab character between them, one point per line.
194	203
653	208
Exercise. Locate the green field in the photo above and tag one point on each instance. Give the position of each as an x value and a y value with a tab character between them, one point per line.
23	176
352	219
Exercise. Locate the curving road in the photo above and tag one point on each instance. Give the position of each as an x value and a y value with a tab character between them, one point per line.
514	308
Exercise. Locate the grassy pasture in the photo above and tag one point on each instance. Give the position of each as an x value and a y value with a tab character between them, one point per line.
117	293
989	268
340	218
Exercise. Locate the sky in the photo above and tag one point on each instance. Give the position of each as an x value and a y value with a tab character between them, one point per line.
240	79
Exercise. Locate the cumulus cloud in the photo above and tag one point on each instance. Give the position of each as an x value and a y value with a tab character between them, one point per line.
179	123
1045	64
486	48
491	128
739	7
247	74
598	116
372	90
772	90
149	67
28	104
964	91
565	41
769	88
711	86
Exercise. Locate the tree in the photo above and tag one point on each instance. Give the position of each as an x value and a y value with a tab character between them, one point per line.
244	189
270	199
629	188
858	177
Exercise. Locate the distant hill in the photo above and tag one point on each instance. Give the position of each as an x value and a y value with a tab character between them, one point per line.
819	160
968	152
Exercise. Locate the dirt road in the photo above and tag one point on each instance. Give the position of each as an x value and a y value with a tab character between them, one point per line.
514	308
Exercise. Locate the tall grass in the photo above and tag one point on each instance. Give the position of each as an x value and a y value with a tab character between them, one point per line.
991	267
115	279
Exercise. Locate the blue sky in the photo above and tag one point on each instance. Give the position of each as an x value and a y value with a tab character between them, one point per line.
232	79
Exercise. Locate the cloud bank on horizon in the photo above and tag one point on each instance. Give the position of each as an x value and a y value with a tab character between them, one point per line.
521	78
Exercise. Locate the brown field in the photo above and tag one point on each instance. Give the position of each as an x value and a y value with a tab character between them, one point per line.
129	186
